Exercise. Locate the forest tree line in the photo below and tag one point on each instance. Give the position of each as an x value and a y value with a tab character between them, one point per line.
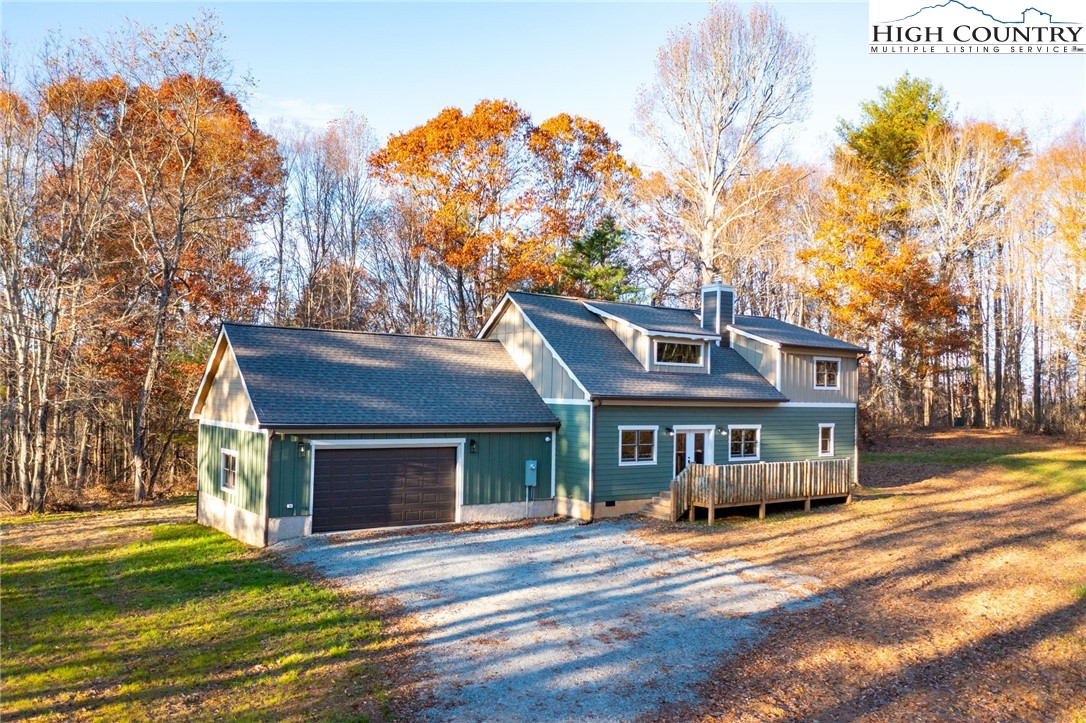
142	206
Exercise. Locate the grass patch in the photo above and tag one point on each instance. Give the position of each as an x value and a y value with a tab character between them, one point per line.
186	623
1061	470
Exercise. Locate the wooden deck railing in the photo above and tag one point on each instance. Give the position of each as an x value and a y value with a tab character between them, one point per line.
758	483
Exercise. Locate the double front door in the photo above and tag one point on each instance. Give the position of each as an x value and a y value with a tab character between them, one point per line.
693	446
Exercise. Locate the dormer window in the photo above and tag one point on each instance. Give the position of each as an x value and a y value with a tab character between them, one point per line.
676	353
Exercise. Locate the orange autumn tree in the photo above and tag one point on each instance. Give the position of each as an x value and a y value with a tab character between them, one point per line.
501	197
880	289
582	177
196	174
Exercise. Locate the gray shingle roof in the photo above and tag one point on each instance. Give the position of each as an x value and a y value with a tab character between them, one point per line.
660	319
603	364
309	377
791	335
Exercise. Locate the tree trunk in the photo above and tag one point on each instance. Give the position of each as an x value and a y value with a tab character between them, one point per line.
138	446
1038	417
976	346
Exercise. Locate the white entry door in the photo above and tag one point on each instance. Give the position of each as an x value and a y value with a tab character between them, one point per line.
693	445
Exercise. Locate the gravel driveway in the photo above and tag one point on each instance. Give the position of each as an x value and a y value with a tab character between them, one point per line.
559	621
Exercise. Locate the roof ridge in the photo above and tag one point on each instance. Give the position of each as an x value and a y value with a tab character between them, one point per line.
282	327
586	300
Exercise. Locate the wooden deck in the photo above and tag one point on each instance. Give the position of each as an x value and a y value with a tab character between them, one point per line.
757	483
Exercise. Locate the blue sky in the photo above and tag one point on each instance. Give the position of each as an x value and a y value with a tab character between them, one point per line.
399	64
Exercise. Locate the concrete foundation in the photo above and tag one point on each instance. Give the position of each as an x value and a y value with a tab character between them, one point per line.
285	528
621	507
569	507
233	520
507	511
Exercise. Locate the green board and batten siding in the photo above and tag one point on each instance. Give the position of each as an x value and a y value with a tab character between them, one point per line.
788	433
252	458
495	473
571	459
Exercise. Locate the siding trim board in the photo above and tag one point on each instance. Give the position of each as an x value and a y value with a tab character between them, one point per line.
756	338
232	425
827	405
315	445
320	429
212	361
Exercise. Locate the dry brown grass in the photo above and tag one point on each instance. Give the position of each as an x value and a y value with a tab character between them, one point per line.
80	531
952	593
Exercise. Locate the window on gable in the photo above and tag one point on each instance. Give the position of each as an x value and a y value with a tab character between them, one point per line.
228	471
637	445
745	442
827	373
825	440
672	352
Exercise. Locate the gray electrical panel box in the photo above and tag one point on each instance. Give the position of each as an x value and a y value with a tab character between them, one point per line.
530	473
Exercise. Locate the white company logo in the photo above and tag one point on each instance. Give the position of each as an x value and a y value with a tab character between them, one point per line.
1015	27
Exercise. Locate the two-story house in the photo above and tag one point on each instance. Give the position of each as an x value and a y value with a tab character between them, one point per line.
562	406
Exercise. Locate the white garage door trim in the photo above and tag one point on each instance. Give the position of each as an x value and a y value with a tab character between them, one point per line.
402	442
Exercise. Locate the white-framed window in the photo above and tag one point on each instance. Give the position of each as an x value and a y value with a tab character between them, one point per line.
678	353
825	440
228	470
744	442
827	373
636	445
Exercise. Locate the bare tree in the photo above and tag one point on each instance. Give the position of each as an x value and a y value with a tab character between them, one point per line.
199	172
721	89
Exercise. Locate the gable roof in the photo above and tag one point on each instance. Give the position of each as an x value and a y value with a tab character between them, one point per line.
607	369
298	377
785	334
654	320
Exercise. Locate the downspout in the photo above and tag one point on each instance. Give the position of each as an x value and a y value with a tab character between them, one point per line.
592	462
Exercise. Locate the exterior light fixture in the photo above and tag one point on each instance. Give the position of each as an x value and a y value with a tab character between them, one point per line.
473	446
301	449
670	431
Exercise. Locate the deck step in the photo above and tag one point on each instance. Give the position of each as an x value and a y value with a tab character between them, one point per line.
659	508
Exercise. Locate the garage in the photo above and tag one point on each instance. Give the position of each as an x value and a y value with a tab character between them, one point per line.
311	430
358	488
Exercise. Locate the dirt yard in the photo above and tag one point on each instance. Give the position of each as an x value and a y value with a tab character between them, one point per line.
956	586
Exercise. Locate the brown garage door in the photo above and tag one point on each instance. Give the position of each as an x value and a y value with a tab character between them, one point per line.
358	488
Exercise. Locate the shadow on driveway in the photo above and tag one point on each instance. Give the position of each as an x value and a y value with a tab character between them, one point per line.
559	621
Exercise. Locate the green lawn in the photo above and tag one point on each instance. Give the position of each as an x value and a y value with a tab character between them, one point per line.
1063	470
178	621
